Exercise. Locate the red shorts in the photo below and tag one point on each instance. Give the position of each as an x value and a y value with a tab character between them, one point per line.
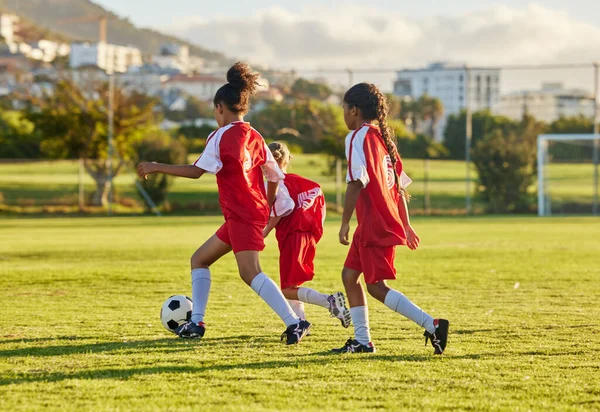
375	262
296	259
241	236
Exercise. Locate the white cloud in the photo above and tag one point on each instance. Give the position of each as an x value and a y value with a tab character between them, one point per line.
360	37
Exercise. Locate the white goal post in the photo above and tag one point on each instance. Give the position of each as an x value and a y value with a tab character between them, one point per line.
544	202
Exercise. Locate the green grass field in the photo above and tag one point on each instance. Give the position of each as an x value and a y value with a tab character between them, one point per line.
80	300
55	183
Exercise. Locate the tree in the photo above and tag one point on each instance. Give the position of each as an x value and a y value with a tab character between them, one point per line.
158	146
570	125
484	123
303	89
74	124
430	111
314	125
506	165
18	138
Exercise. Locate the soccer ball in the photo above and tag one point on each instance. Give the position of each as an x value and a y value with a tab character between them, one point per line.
175	312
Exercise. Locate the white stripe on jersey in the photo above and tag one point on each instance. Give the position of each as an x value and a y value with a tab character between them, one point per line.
355	153
210	160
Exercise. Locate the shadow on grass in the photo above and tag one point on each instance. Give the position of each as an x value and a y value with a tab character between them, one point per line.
14	339
171	344
297	362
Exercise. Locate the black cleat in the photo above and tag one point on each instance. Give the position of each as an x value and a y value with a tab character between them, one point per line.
294	333
439	338
354	346
191	330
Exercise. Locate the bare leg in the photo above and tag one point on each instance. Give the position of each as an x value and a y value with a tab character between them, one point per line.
354	290
210	251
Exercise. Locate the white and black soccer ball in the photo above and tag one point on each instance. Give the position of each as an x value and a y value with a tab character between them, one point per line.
176	311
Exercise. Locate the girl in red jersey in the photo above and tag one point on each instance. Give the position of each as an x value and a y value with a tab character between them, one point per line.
297	216
375	190
238	156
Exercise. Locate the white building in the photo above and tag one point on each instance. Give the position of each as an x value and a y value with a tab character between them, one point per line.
141	81
448	82
8	26
548	104
175	58
109	57
203	87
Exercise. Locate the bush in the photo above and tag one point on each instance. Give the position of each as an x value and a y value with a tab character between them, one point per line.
483	123
506	166
161	148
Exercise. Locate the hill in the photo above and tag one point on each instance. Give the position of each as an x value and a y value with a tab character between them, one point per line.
48	13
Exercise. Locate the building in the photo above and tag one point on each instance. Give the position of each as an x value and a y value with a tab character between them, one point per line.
448	82
144	80
202	87
109	57
548	104
175	59
8	27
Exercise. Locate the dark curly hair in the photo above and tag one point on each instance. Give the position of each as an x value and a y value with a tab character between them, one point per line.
241	85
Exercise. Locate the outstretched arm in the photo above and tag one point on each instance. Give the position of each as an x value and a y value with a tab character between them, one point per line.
352	193
189	171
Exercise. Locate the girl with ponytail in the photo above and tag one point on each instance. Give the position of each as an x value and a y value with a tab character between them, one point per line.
239	157
376	189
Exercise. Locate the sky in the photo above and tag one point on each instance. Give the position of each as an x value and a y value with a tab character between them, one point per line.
385	33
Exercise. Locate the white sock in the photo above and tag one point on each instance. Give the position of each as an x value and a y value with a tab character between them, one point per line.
397	302
313	297
271	294
360	320
298	308
200	290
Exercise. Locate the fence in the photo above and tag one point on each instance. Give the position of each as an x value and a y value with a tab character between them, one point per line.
53	187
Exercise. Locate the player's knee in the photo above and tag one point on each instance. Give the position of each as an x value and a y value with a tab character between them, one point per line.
377	290
196	261
349	277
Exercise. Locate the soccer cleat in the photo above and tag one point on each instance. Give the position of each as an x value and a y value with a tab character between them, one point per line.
191	330
439	338
338	309
354	346
294	333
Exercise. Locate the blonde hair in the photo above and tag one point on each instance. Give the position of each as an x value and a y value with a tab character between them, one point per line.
281	153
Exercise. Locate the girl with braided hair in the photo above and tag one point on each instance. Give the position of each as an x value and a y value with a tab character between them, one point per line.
376	189
239	157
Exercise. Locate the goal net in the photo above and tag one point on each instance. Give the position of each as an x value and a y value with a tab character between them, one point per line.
568	174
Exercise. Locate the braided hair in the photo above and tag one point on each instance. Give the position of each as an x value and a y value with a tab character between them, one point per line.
373	105
241	85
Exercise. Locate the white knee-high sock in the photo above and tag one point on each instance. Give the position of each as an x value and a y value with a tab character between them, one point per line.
298	308
397	302
200	290
360	320
313	297
271	294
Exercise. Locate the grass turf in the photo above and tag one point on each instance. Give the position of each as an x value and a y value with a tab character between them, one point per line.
80	331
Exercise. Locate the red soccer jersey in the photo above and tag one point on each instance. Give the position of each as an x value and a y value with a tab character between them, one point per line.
239	156
302	203
377	211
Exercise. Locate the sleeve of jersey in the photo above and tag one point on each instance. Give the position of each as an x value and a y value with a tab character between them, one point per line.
405	181
357	161
284	204
210	160
270	168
